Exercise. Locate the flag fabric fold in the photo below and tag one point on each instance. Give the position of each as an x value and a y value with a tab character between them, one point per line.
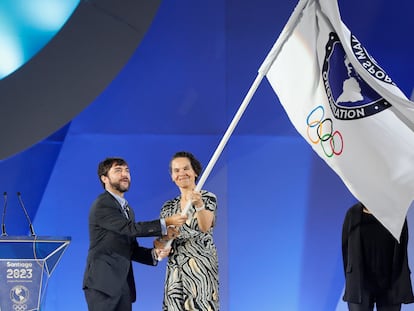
347	108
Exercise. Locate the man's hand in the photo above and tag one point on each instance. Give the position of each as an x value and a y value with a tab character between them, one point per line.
161	250
176	220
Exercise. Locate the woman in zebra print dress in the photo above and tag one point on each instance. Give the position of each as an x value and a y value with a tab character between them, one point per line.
192	269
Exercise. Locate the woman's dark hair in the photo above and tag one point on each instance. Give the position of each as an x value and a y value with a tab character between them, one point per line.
195	164
105	166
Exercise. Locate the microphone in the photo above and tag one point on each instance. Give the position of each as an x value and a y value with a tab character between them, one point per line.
25	212
3	226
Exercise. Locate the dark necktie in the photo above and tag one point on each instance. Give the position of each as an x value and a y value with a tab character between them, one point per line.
125	210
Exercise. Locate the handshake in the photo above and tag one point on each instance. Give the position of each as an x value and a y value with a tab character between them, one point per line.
162	245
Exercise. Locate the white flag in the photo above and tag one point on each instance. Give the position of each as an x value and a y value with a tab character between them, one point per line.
347	108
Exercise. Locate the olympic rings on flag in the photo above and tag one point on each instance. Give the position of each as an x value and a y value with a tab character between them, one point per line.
20	307
320	131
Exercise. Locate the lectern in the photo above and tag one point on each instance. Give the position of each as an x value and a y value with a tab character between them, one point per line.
26	264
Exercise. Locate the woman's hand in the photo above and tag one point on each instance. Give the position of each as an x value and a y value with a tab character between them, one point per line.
197	200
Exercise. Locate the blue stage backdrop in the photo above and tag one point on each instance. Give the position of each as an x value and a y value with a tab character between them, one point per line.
280	207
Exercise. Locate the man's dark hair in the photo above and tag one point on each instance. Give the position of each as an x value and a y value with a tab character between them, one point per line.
105	166
195	164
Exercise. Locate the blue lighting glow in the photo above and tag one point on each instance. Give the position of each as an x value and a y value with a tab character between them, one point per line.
27	26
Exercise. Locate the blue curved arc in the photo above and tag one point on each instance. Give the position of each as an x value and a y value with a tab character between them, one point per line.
27	26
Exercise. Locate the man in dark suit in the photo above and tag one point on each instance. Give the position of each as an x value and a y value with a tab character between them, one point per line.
108	280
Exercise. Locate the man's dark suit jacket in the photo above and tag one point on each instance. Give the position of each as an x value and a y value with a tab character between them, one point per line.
113	245
353	262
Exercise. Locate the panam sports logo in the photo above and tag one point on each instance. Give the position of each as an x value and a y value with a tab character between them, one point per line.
349	96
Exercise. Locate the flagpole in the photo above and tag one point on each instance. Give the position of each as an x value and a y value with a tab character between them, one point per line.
263	70
227	134
223	142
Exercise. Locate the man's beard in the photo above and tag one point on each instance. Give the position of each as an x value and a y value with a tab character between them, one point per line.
117	186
